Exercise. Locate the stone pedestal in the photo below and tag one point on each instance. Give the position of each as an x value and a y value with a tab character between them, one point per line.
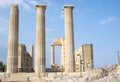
40	39
12	58
69	39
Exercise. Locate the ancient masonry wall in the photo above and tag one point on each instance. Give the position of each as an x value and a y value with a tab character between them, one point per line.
25	60
84	58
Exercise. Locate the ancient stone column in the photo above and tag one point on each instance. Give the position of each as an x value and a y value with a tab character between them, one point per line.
69	39
40	39
32	55
12	58
62	52
52	55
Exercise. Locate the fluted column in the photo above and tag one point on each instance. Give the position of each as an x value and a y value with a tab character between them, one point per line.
12	58
40	39
52	55
63	52
32	54
69	39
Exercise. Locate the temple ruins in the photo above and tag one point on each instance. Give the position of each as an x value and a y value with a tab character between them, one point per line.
15	57
72	60
83	56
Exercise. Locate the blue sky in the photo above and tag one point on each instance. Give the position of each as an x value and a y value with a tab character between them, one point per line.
96	22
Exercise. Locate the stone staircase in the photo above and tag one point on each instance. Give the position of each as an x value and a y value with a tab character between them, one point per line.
27	77
19	77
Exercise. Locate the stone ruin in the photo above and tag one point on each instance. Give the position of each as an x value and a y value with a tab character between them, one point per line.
80	60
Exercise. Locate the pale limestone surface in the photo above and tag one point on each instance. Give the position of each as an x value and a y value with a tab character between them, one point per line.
118	68
12	58
69	39
62	62
40	39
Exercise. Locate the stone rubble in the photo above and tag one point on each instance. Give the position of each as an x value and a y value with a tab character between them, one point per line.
104	74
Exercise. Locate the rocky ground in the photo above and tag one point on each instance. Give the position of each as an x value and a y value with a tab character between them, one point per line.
104	74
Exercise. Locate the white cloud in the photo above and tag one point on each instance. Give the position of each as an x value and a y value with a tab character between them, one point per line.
48	2
107	20
25	4
4	24
5	3
22	3
33	2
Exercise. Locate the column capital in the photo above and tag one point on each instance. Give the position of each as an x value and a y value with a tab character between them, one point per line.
43	6
68	6
14	5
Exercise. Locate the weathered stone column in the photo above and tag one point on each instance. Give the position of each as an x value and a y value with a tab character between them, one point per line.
69	39
32	55
63	53
52	55
40	39
12	58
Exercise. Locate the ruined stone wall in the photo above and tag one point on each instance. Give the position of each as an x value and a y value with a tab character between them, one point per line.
84	58
24	59
83	55
21	53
